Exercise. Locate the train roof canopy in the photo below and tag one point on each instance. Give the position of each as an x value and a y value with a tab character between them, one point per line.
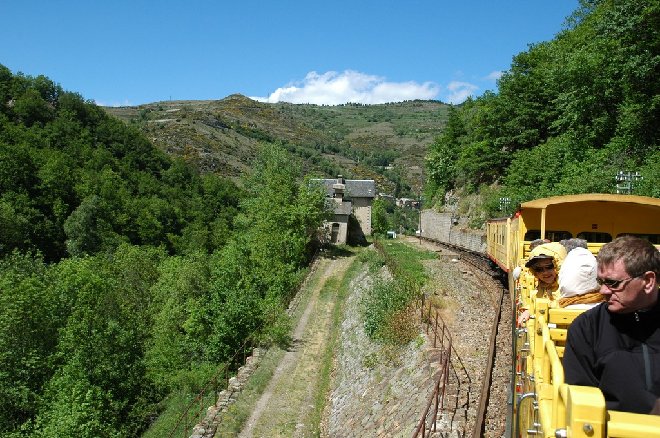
545	202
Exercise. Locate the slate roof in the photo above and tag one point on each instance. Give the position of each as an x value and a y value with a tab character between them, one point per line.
355	188
344	208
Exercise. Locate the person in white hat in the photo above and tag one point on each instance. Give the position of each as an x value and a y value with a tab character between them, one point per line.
578	287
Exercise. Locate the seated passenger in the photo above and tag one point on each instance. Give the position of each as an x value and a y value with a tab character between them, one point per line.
574	242
536	242
578	288
615	346
544	262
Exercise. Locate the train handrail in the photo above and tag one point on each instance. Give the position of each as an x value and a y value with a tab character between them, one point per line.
551	378
586	412
588	416
572	410
630	425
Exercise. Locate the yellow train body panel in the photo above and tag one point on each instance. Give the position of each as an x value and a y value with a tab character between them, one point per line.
543	404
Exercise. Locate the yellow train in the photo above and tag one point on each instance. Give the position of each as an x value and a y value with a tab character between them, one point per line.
543	405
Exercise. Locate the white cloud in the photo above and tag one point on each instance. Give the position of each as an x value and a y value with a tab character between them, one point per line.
495	75
459	91
332	88
126	102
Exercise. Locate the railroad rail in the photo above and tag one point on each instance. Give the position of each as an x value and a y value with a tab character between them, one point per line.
498	345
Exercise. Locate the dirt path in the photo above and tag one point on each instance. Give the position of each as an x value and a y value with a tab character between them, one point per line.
285	406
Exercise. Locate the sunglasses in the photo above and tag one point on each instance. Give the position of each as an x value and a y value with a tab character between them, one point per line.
614	284
538	269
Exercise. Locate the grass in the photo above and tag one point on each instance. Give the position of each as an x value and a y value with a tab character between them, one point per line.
325	375
408	258
175	404
390	304
232	421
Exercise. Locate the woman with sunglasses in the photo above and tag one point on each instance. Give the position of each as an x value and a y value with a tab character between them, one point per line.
544	263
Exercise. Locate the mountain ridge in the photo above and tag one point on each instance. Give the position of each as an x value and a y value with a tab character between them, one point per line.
385	142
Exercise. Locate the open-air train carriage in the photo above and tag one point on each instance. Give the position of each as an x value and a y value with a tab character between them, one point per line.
542	404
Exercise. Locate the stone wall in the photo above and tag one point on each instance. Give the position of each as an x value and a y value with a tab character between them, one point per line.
439	227
207	427
362	211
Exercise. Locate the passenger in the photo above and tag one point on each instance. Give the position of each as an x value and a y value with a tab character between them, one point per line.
578	288
616	346
536	242
572	243
544	262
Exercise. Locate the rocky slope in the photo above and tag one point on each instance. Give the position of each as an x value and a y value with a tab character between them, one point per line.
385	142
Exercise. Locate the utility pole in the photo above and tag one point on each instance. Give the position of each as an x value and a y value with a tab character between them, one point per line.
419	211
625	181
504	204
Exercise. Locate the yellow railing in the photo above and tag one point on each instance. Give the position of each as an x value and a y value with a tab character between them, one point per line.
585	412
568	410
626	424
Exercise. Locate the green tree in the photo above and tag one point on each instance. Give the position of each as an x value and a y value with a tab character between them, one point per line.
179	336
30	108
478	163
569	113
87	228
28	335
256	272
379	218
650	184
441	159
101	380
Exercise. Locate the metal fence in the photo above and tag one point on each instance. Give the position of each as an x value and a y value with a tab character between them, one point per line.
435	327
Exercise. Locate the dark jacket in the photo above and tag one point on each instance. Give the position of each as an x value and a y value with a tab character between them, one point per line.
618	353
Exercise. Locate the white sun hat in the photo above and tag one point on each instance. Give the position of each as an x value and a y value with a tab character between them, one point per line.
577	275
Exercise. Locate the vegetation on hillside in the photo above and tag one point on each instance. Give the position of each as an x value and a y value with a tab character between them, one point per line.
568	116
125	274
75	181
387	216
385	142
389	304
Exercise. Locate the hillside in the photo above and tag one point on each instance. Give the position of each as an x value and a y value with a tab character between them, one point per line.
385	142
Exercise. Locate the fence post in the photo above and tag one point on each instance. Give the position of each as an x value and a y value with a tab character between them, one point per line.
442	336
428	321
215	390
435	331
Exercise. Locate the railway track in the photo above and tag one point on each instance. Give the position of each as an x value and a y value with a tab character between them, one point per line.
486	414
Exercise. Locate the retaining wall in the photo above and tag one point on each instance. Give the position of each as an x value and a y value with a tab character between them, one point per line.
439	226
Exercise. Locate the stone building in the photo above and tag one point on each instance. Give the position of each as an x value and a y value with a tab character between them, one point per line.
353	199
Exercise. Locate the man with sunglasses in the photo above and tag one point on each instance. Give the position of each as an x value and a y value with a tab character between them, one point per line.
616	346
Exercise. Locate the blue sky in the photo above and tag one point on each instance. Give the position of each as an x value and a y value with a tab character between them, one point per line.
121	52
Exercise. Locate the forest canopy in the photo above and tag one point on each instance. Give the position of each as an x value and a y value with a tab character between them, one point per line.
75	181
568	116
125	274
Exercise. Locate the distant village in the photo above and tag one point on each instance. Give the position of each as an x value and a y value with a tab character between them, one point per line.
401	202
